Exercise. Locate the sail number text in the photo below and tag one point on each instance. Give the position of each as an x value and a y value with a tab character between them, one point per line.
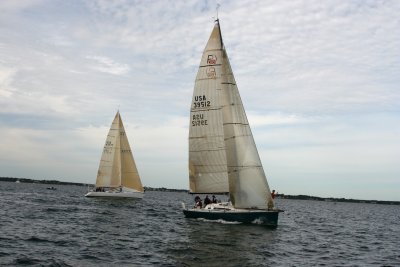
198	120
108	147
200	101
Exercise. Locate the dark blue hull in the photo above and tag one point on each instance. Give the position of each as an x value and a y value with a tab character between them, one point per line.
268	218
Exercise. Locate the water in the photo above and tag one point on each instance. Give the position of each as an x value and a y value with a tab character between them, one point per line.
41	227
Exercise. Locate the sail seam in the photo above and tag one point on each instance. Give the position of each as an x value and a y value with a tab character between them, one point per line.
236	123
201	137
232	137
203	66
216	165
204	150
205	79
246	166
229	83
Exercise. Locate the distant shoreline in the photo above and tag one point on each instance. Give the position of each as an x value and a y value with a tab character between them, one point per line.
283	196
55	182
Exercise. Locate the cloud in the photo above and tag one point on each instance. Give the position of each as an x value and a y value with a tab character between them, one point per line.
107	65
275	119
12	6
319	81
6	77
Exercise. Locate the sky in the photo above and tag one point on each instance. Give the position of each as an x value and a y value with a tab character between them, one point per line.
319	81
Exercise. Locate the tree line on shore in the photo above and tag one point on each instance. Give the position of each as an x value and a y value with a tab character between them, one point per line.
163	189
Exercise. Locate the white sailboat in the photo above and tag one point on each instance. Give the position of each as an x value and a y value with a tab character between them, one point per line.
117	175
223	157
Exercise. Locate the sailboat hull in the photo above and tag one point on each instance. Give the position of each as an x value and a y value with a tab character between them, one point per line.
263	217
115	194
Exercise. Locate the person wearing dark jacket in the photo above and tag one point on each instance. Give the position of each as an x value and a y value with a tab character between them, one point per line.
207	201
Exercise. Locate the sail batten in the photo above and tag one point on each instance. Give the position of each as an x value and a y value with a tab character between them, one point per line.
205	66
205	137
205	150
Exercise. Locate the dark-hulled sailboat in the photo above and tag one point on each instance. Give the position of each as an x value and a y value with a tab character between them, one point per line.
223	157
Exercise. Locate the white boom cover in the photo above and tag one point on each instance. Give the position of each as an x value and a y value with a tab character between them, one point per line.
117	166
222	152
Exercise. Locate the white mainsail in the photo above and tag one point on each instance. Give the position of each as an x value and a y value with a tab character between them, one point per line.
222	152
117	166
208	171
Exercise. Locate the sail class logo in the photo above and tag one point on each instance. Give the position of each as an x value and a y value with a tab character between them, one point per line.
212	59
211	72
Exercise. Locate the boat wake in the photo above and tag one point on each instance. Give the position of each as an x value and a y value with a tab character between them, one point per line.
257	221
218	221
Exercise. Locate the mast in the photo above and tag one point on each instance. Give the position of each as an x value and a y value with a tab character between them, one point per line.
219	26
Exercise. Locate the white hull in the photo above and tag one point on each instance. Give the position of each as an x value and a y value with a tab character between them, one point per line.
115	194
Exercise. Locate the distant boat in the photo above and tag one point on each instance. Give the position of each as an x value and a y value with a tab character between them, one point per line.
17	181
117	175
223	157
51	188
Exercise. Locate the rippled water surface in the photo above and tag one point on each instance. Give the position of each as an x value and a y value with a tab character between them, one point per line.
61	227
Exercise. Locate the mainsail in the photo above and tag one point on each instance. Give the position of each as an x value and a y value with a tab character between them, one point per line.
117	166
208	171
222	152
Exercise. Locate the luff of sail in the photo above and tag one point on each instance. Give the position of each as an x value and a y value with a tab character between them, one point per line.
208	171
117	166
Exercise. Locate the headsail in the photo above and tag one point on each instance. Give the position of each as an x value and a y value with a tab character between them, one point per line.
117	166
129	174
207	156
248	186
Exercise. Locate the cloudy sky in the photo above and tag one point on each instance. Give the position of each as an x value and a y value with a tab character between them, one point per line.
319	80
